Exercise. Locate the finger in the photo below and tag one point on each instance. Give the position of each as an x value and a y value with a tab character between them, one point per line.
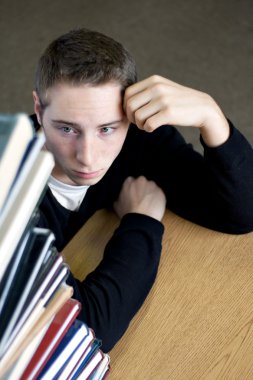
141	86
156	120
137	87
127	183
136	102
129	179
146	112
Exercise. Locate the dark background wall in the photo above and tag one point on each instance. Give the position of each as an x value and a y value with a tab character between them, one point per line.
205	44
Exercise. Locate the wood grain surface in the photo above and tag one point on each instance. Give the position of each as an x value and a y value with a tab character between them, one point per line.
197	322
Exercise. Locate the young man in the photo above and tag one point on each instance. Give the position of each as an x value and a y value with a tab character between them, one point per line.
97	121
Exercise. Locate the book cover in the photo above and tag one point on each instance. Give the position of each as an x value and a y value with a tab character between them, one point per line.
16	132
37	250
33	326
86	357
75	335
55	333
26	164
17	369
88	369
14	223
77	357
41	296
16	263
102	369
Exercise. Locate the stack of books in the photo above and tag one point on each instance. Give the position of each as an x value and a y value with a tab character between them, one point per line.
40	334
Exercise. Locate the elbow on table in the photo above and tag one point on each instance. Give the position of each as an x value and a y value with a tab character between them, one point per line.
243	224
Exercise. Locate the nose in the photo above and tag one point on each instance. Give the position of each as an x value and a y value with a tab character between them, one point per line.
86	151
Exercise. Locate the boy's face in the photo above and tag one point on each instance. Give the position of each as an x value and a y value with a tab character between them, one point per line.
85	128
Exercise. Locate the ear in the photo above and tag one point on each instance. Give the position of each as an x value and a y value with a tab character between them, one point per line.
37	106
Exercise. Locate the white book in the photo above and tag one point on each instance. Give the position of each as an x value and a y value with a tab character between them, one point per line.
16	132
53	343
18	368
78	354
13	222
102	368
91	365
22	309
73	338
39	317
53	287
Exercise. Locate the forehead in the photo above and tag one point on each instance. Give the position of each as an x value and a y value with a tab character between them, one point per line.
84	95
96	104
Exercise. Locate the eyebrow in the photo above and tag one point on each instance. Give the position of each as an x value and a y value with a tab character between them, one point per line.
59	121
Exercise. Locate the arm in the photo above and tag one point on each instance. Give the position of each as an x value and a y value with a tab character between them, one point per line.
113	293
216	190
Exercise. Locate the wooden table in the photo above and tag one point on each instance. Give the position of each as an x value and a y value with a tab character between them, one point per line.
197	322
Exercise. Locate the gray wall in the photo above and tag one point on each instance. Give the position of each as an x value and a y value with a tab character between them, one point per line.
205	44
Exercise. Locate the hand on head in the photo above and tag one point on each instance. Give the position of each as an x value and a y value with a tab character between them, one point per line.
158	101
141	196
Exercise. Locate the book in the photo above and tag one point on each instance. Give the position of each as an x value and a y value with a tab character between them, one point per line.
14	222
55	333
86	359
77	357
50	274
17	369
16	262
40	335
44	299
16	132
37	248
73	338
33	327
102	369
28	161
91	365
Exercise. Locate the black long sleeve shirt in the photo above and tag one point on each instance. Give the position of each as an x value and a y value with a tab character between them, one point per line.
214	190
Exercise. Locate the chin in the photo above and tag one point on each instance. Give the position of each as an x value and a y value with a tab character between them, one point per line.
86	182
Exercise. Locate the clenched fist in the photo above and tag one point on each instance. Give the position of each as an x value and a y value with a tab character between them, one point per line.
140	196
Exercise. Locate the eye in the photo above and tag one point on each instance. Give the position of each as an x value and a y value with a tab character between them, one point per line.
68	130
107	130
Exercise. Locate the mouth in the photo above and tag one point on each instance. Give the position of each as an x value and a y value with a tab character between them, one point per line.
88	175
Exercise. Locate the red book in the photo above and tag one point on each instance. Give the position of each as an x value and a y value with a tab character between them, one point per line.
56	331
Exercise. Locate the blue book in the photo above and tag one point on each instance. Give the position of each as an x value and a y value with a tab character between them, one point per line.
94	349
69	344
37	253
